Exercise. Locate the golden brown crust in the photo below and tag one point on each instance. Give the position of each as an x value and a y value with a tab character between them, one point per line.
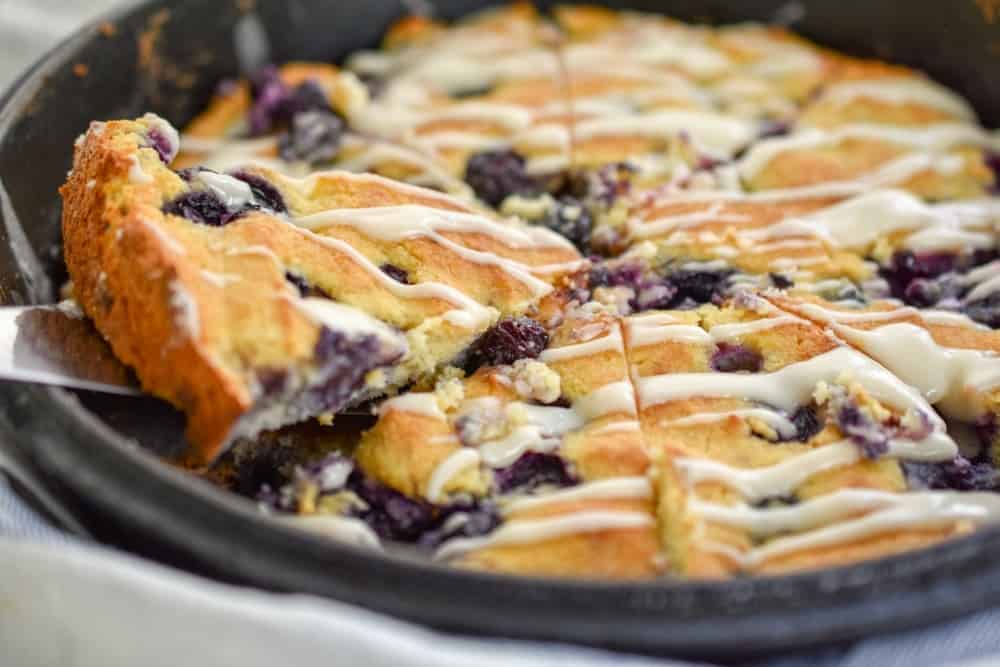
122	273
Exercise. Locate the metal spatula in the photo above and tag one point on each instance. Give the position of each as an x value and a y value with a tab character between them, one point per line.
56	345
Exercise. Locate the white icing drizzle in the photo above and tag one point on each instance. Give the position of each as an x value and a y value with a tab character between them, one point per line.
780	423
907	511
220	279
234	193
808	514
376	152
931	138
756	484
420	403
852	224
790	386
950	319
714	132
397	223
618	427
609	343
185	309
167	132
951	378
136	174
456	462
609	399
899	91
613	488
469	313
528	531
650	330
353	321
344	529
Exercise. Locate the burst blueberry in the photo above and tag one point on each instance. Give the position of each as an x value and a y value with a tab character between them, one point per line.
264	192
531	470
163	146
985	311
510	339
569	218
396	273
806	422
871	437
959	474
462	520
734	358
313	137
495	175
200	206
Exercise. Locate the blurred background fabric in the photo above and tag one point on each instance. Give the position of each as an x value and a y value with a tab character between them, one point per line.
28	28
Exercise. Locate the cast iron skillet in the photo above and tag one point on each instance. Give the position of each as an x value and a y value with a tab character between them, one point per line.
97	452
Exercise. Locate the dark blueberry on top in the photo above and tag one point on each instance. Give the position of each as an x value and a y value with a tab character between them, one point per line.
264	469
396	273
332	345
806	423
264	192
906	267
507	341
462	520
776	501
992	160
622	275
276	104
699	286
200	206
986	431
871	437
922	292
272	381
189	173
465	93
774	128
780	280
304	287
735	358
313	137
985	311
959	474
163	146
391	514
655	294
531	470
307	96
269	94
569	218
495	175
374	84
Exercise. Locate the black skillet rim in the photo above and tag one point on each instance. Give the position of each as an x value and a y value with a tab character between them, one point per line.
189	522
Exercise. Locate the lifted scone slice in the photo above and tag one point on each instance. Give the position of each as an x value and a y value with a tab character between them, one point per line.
240	273
778	447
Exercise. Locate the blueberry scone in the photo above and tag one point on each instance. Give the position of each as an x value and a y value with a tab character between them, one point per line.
252	300
580	294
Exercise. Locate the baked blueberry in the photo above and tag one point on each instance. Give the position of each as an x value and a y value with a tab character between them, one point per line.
507	341
495	175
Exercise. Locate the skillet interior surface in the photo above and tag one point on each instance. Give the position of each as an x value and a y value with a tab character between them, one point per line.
96	452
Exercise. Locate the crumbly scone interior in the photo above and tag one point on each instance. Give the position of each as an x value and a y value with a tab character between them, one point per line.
665	299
